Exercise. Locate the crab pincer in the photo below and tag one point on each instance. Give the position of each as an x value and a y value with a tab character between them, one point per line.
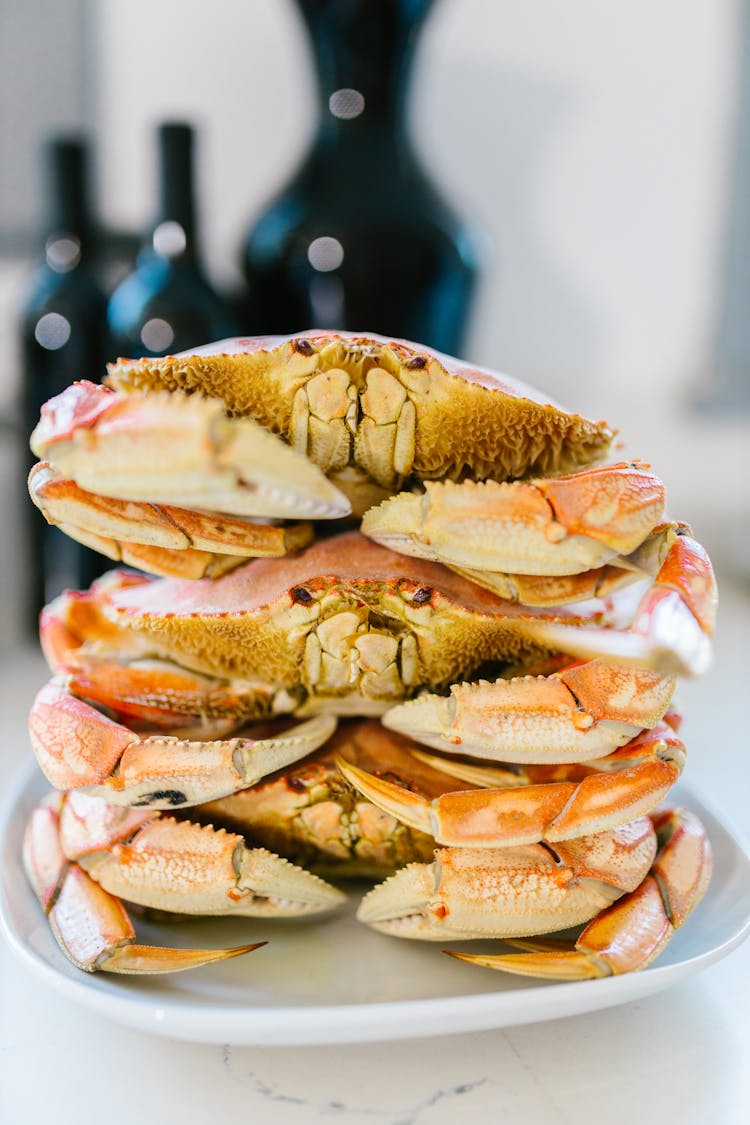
180	450
570	802
468	893
564	539
670	630
582	712
83	854
77	746
634	930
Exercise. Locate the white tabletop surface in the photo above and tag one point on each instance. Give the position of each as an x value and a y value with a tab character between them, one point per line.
680	1056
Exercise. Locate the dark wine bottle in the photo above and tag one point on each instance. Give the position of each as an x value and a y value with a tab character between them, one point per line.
63	338
167	304
360	239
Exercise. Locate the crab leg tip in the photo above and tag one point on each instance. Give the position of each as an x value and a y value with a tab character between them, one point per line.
141	959
552	965
406	806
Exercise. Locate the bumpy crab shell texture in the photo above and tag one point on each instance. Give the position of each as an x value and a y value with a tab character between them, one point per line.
374	413
345	617
311	815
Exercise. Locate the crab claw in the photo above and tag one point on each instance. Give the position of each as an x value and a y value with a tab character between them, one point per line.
91	926
553	809
632	932
512	891
556	526
79	747
583	712
155	860
94	931
181	450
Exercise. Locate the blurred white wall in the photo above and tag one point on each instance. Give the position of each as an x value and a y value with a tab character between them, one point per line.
590	139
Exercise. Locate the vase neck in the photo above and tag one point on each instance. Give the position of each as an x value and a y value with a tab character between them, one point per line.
363	52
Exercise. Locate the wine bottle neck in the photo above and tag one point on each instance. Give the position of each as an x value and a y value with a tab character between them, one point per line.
363	53
174	234
68	213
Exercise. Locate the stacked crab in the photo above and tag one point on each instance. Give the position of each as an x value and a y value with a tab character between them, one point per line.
511	601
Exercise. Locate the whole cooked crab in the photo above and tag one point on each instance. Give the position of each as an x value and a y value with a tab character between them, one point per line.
537	623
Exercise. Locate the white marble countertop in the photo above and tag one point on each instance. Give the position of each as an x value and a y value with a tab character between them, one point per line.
681	1055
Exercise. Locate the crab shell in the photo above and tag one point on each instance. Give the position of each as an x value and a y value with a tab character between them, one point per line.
374	413
311	635
345	619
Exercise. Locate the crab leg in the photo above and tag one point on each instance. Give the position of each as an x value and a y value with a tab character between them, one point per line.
174	542
630	934
77	746
91	926
552	810
164	695
674	620
472	893
552	590
585	711
182	450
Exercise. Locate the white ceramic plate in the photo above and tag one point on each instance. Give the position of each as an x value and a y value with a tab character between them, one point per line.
334	980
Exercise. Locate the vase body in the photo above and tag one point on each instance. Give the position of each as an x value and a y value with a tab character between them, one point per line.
360	239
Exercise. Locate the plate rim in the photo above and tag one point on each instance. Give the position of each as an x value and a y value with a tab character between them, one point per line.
370	1021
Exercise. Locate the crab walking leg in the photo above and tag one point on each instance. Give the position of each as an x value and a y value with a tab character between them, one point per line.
91	926
78	747
584	712
551	811
472	893
673	623
558	526
181	450
630	934
157	861
551	590
622	570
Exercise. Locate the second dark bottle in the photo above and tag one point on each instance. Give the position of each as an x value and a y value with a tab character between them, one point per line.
167	304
